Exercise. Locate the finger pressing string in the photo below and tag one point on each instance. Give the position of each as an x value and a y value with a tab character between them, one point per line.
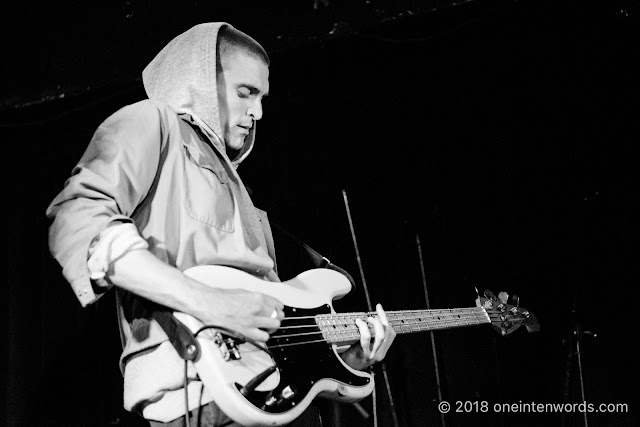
379	336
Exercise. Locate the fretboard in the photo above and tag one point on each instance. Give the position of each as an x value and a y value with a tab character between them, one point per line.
341	328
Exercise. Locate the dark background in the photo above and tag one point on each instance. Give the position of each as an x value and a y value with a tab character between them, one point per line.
500	133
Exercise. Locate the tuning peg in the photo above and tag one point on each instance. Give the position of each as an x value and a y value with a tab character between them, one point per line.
490	295
515	300
503	297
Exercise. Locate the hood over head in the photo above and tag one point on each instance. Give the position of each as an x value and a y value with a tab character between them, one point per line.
183	75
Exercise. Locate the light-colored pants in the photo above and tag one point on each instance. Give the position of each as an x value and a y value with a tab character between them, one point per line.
208	415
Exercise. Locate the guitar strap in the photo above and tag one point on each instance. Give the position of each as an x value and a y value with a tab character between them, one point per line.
182	338
317	260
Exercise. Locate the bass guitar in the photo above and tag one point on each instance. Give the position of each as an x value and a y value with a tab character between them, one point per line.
272	385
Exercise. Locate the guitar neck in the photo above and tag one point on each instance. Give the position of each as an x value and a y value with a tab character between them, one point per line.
341	329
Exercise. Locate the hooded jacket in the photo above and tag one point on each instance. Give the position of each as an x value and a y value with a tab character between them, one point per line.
161	164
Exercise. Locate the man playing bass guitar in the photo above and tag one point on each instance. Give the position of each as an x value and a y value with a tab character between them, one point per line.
156	193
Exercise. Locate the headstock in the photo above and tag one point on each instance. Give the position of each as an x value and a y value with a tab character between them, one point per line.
507	317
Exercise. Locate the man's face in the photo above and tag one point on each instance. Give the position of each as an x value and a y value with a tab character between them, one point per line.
242	84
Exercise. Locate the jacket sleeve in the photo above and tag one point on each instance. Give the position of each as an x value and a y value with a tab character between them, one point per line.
113	176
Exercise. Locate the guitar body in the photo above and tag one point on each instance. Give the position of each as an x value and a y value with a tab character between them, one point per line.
305	368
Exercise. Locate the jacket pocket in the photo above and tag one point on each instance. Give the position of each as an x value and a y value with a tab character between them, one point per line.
208	196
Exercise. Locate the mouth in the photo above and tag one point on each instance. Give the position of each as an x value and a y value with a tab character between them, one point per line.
245	129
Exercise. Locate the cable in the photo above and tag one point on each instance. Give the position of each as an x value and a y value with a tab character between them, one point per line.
236	335
258	379
246	389
255	381
187	421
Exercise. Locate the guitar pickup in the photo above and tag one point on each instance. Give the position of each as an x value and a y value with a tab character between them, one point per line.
227	346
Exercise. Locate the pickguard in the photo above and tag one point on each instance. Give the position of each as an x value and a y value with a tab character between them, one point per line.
302	364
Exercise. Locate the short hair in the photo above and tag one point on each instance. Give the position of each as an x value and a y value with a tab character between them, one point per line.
232	41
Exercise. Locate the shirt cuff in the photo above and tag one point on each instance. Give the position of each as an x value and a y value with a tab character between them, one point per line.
84	291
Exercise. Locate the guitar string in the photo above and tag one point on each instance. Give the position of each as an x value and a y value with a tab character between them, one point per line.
400	323
338	318
396	323
354	335
352	338
352	329
479	310
347	340
348	316
392	315
436	320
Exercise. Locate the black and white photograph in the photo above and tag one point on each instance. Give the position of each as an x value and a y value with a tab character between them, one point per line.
435	225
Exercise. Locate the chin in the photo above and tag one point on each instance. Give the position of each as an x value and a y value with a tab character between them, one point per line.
235	143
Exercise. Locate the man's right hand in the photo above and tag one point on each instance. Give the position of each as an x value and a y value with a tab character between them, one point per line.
249	313
253	314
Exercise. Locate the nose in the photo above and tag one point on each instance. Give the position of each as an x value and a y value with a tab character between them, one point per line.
255	109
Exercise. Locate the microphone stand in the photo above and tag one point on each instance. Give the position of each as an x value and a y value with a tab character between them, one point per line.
575	350
431	334
370	309
577	332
